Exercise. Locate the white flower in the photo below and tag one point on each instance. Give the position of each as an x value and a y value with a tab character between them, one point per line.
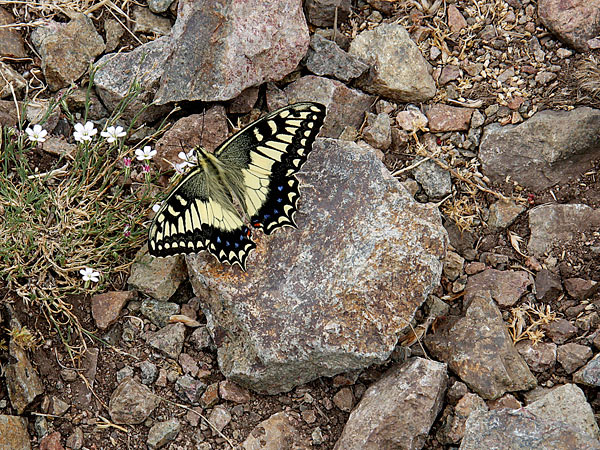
156	207
146	154
112	134
37	134
89	274
84	132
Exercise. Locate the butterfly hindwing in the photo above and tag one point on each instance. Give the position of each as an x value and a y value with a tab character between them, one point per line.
189	221
254	169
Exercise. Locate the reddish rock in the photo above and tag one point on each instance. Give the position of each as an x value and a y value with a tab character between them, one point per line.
449	73
573	356
474	267
51	442
539	357
581	289
234	393
448	118
344	399
210	397
560	331
547	285
506	401
572	21
456	20
505	286
11	41
106	307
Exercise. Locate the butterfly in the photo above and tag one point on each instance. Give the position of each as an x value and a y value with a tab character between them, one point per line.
249	179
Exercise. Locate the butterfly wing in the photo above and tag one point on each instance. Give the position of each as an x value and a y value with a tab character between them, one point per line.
190	221
269	152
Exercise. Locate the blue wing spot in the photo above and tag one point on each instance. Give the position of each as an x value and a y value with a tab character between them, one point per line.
280	188
226	243
279	200
266	216
237	245
218	240
275	211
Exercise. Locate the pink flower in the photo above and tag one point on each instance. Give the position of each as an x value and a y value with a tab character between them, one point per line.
127	162
146	168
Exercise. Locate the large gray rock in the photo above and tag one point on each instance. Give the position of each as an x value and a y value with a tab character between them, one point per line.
553	225
521	430
333	295
131	402
398	410
325	57
478	348
550	147
215	50
398	69
566	403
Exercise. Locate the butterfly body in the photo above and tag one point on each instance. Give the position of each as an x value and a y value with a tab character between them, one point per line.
249	179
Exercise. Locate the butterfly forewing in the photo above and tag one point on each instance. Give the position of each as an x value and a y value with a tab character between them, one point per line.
258	166
277	146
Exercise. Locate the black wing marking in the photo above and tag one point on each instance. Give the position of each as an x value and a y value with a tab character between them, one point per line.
189	221
269	152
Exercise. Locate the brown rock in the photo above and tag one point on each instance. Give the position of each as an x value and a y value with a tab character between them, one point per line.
188	364
208	130
503	214
560	331
505	286
234	393
131	403
581	289
398	410
474	267
449	73
106	307
453	428
572	21
8	113
11	41
539	357
573	356
344	399
13	433
277	432
547	285
210	396
448	118
506	401
456	20
478	348
22	380
51	442
244	102
157	277
67	48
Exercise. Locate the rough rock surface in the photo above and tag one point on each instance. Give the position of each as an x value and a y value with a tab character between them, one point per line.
67	48
157	277
131	402
352	289
397	67
548	148
478	348
13	433
107	306
22	380
398	410
277	432
11	42
566	403
345	106
554	225
325	57
572	21
515	430
218	51
505	286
